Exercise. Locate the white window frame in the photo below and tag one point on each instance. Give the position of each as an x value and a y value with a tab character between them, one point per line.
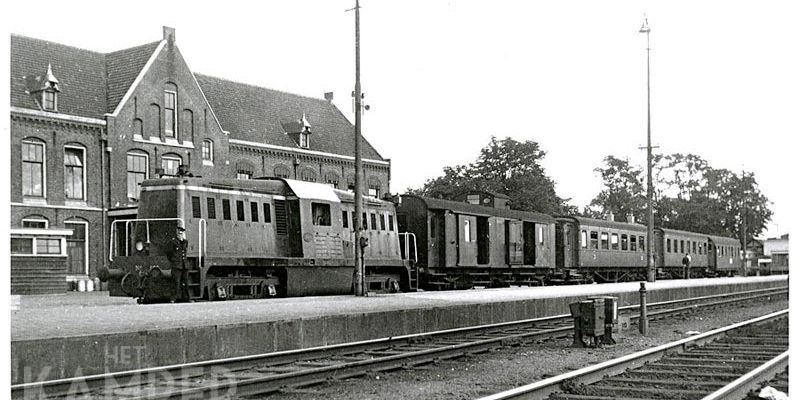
210	160
305	140
84	194
174	158
34	253
55	100
44	168
36	219
174	131
85	242
137	153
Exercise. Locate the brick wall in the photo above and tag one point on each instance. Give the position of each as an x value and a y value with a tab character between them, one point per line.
38	275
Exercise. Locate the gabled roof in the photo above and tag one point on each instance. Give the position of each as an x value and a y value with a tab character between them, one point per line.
122	68
81	74
91	84
261	115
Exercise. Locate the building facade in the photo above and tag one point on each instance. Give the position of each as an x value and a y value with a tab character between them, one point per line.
87	128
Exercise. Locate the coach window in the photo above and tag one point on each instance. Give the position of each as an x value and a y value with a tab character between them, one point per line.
683	251
196	212
541	235
694	247
239	210
614	241
74	172
33	168
321	213
604	240
583	239
593	239
467	231
226	209
211	208
267	214
633	242
641	243
254	212
669	246
624	242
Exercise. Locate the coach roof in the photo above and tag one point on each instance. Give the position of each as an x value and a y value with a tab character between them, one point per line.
472	209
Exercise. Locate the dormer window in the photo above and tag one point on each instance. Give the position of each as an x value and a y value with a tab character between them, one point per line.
304	139
49	89
299	130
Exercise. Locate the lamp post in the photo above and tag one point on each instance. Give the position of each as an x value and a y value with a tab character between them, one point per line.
651	272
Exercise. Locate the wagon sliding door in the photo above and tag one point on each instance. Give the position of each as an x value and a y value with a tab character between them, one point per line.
514	242
468	242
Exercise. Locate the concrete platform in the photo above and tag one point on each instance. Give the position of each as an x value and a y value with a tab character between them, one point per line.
60	336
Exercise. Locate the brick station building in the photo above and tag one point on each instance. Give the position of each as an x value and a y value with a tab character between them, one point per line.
88	127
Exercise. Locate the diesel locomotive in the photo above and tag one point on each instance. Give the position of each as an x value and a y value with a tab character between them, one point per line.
252	239
273	237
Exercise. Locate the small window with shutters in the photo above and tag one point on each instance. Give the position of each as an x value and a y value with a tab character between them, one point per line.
254	212
240	210
196	212
226	209
211	208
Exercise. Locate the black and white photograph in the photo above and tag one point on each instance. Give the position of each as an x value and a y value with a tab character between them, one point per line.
383	199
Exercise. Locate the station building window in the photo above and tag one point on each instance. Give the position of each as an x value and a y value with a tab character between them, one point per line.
35	222
170	116
308	175
137	172
208	152
332	179
282	171
74	172
33	168
170	164
373	186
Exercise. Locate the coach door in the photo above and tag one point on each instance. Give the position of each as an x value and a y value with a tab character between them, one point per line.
450	239
514	242
468	243
564	245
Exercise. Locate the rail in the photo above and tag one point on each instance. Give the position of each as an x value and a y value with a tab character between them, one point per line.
264	373
544	388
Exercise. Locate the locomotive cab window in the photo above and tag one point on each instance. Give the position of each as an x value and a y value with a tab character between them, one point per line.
321	214
391	222
240	210
373	221
345	220
267	214
226	209
383	222
211	208
196	212
254	212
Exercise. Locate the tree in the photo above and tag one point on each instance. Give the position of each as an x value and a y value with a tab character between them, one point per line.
624	193
504	166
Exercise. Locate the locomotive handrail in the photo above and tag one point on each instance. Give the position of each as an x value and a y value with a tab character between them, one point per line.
202	242
112	244
406	245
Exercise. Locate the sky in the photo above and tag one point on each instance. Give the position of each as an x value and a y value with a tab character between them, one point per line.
443	77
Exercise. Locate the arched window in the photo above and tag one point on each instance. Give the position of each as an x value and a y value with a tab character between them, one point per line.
34	172
351	182
187	126
74	172
170	163
244	170
35	221
137	172
170	116
208	152
308	175
332	179
282	171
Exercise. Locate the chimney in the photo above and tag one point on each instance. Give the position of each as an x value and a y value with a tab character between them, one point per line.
610	216
631	219
329	96
169	34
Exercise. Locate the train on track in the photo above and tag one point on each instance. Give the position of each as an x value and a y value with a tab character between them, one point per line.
273	237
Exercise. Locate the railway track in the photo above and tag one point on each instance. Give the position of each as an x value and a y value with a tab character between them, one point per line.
289	370
725	363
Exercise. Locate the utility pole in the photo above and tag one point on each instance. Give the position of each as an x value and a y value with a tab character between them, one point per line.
651	269
359	260
744	226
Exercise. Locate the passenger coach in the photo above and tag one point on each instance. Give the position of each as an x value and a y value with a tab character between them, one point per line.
480	242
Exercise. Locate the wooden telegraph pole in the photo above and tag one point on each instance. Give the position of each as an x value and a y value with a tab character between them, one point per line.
360	290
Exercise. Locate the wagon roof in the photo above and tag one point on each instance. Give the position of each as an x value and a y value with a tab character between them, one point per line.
683	233
606	224
723	240
466	208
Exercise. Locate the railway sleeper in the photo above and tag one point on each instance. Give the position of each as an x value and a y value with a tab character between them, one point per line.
705	361
664	383
665	374
600	389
